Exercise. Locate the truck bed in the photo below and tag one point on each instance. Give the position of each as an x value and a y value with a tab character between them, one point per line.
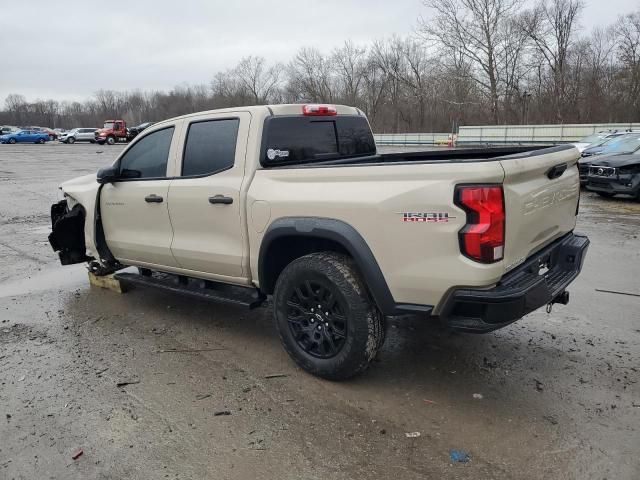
455	155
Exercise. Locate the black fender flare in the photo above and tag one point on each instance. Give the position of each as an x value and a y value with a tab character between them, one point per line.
341	233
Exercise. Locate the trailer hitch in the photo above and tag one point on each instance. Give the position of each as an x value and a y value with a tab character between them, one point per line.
562	298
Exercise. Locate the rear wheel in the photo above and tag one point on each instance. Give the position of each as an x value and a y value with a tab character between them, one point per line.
325	317
606	194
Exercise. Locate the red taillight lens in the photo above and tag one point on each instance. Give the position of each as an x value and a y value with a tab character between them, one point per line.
319	110
482	238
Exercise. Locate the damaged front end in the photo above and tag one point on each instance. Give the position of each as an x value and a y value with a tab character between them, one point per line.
67	235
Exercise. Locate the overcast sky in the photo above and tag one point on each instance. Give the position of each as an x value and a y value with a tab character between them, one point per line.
70	49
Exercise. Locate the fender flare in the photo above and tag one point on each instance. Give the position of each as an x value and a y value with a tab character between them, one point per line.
343	234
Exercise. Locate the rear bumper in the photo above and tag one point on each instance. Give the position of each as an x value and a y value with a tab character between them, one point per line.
519	292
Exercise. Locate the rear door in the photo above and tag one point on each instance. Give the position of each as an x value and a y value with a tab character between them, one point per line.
205	205
541	190
134	209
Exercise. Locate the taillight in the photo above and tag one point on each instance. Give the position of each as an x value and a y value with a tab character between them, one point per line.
482	238
317	110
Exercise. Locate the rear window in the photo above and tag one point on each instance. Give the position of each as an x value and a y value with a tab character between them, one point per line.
298	139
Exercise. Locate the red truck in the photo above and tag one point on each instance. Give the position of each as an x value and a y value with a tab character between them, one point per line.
112	132
116	131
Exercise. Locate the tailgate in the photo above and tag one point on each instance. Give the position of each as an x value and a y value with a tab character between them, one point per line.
541	190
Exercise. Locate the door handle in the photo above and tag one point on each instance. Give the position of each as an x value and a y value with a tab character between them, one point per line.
153	198
221	199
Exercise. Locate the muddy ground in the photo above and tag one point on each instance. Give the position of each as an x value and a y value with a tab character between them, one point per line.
155	386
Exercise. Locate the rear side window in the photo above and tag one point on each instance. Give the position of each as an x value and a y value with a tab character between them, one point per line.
147	158
299	139
210	147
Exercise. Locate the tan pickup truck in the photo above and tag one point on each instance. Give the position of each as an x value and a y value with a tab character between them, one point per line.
294	202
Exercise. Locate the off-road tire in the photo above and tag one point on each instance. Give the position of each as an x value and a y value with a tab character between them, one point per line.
364	322
71	140
606	194
111	141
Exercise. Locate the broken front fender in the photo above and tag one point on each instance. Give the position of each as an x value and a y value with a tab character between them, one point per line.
67	235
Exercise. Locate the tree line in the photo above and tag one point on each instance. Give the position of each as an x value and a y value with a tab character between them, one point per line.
469	62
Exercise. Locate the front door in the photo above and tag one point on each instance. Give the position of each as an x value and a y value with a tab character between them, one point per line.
134	209
205	205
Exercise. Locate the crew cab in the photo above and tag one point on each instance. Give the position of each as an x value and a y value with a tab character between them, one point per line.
293	202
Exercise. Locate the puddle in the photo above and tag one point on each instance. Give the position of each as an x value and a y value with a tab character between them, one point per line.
51	279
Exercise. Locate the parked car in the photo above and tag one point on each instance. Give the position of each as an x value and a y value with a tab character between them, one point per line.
596	140
79	135
629	142
615	174
294	201
5	130
53	135
25	136
134	131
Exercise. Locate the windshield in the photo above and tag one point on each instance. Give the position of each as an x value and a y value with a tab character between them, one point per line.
628	143
108	125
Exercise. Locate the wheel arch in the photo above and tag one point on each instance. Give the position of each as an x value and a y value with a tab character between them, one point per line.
292	237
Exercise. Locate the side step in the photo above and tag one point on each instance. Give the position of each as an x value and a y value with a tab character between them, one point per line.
248	297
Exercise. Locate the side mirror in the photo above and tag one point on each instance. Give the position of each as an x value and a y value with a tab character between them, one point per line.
107	174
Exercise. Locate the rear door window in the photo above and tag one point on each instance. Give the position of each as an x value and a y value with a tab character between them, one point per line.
299	139
210	147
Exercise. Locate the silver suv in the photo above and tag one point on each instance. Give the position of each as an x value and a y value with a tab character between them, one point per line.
78	135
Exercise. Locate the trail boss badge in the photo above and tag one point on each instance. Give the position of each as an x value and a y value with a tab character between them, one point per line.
428	217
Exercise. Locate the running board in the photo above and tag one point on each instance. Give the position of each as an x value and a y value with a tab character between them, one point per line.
248	297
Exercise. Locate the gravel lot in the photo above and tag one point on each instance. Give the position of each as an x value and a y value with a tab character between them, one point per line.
558	393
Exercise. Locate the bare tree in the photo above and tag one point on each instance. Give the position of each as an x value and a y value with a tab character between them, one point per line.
257	80
552	25
627	31
474	28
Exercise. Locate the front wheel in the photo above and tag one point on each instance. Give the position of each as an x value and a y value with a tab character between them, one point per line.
71	140
40	141
325	317
12	141
111	140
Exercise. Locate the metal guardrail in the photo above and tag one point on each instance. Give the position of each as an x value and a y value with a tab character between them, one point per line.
506	134
411	138
536	134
